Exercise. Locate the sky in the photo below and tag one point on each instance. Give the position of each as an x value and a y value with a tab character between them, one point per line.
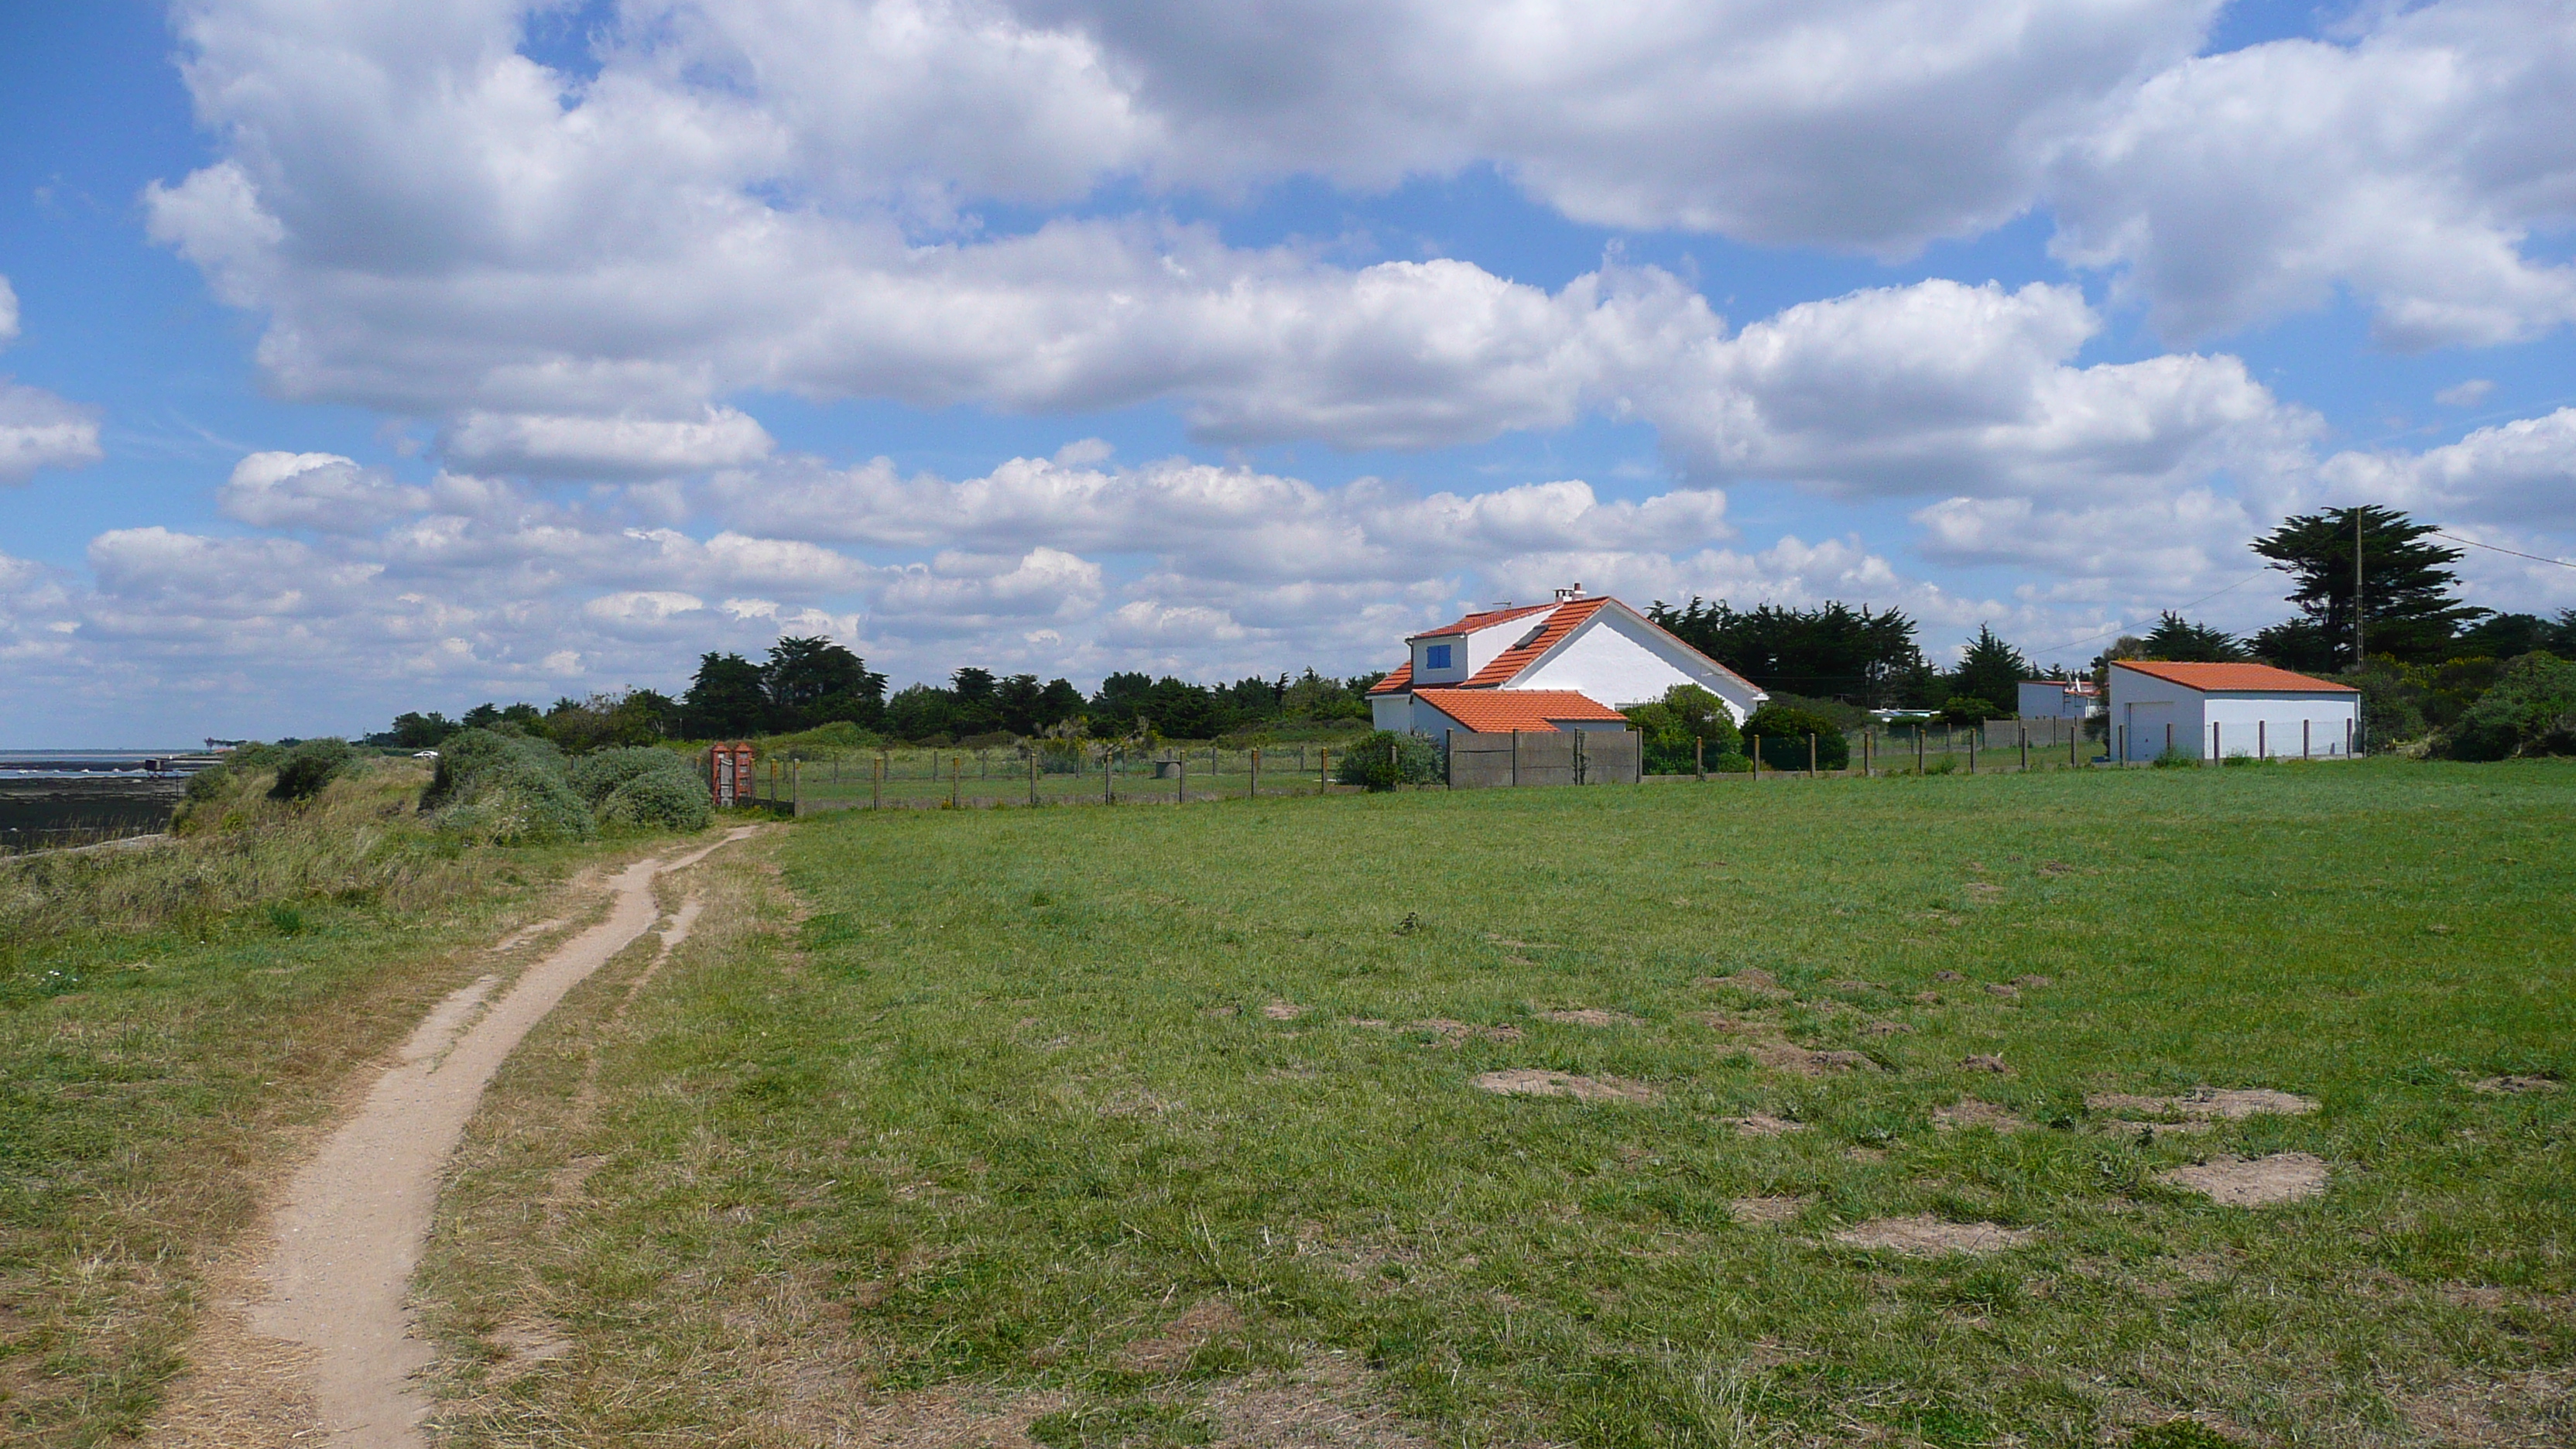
364	356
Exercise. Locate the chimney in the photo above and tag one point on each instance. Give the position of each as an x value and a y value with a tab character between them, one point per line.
1562	595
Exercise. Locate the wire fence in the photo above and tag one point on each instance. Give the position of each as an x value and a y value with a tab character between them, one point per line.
1085	773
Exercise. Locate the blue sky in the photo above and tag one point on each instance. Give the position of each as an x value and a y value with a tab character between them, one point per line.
369	358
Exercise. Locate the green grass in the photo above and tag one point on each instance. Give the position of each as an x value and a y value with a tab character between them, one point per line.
1006	1101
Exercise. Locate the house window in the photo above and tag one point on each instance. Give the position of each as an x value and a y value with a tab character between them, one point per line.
1436	656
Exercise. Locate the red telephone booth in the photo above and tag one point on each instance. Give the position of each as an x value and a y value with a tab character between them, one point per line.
729	777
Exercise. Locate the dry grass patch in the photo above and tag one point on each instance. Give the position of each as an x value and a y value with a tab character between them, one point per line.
2252	1181
1530	1082
1926	1236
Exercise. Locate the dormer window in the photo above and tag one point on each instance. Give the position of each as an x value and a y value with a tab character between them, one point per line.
1436	656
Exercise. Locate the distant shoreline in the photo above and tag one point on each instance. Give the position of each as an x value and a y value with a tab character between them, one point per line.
40	812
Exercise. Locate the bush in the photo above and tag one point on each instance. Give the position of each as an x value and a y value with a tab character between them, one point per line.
1686	725
1967	709
1783	729
506	789
2530	711
599	776
1383	759
310	766
659	799
2176	757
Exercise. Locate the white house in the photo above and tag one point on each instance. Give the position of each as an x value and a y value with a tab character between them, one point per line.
2059	699
1571	664
2211	711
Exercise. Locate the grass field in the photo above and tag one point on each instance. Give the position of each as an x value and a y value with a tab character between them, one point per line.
1164	1127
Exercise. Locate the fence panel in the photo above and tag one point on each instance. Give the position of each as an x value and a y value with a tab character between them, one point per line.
1553	757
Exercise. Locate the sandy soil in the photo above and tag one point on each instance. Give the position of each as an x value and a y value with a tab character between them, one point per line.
351	1227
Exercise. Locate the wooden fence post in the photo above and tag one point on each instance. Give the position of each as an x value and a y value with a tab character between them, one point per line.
1033	774
1918	747
1757	757
1323	769
1181	777
1868	753
1811	754
876	785
2216	750
1699	755
2262	739
1974	730
1448	759
1516	757
956	778
2025	748
1253	791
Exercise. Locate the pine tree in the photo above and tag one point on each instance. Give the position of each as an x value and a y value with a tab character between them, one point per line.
2408	608
1992	670
2184	642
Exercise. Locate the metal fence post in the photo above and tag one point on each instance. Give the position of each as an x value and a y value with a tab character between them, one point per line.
2216	752
2262	739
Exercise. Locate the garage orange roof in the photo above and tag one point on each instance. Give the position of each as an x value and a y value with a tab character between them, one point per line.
2234	678
1500	711
1558	625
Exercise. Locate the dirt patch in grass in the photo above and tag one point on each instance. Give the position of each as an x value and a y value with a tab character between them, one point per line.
1752	981
1283	1011
2510	1085
1887	1028
2254	1181
2535	1408
1985	1062
944	1418
1969	1112
530	1343
1454	1033
1328	1402
1169	1351
1783	1056
2205	1104
1592	1016
1752	1211
1926	1236
1762	1124
1530	1082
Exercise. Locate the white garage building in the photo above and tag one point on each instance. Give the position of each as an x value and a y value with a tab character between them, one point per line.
2211	711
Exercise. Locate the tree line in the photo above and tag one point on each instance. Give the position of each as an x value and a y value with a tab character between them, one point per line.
2429	655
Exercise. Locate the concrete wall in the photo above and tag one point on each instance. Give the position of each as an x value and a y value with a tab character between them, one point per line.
1557	757
2047	699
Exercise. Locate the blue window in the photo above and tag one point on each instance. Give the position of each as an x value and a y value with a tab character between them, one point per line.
1436	656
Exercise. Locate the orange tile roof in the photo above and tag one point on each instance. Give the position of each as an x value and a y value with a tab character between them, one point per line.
1484	620
2234	678
1500	711
1558	625
1402	676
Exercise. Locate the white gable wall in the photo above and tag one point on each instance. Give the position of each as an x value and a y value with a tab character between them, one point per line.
1620	660
1470	652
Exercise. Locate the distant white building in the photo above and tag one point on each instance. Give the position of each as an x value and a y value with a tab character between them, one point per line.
2212	711
1571	664
2059	699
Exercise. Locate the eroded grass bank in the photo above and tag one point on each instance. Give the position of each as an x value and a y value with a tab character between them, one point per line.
173	1022
1862	1110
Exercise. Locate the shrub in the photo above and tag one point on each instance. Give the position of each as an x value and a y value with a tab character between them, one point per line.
1784	729
2530	711
599	776
506	789
2176	757
310	766
659	799
1687	724
1383	759
1967	709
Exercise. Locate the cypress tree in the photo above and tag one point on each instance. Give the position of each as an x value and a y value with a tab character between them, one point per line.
2408	609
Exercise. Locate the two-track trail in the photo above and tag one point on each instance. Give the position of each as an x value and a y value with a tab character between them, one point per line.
354	1220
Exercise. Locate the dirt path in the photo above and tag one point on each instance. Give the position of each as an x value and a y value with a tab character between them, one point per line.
356	1216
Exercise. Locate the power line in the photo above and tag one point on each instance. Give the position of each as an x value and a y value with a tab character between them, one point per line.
2194	604
2535	558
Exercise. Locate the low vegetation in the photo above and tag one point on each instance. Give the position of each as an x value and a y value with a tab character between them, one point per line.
174	1017
2177	1109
